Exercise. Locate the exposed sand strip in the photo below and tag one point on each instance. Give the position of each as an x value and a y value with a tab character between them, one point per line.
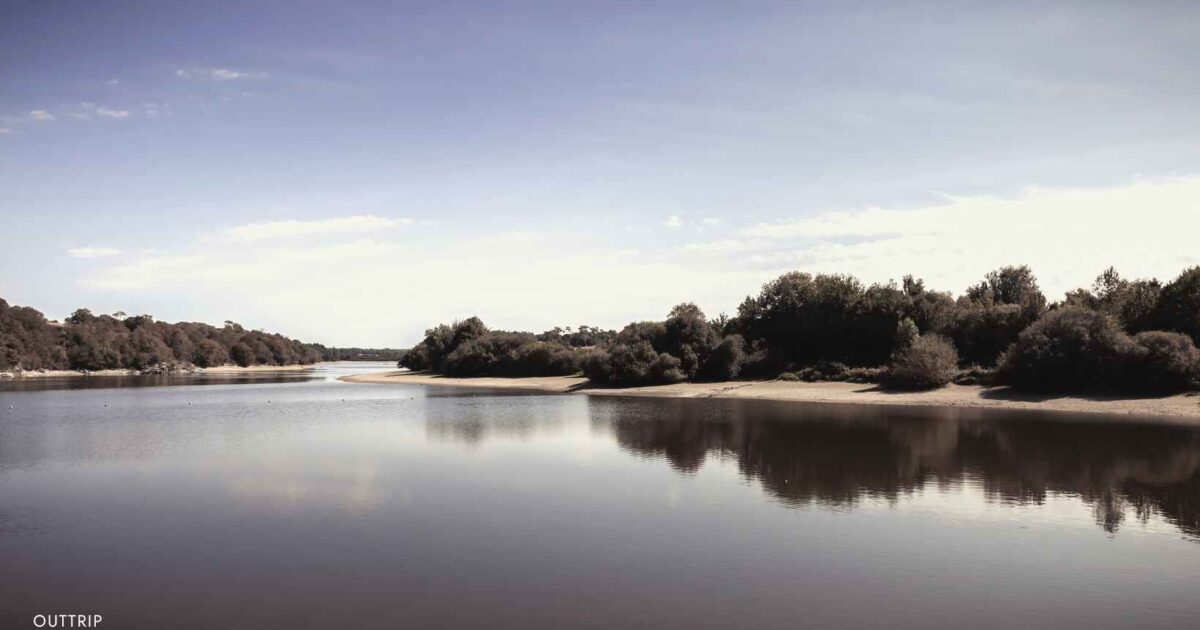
1179	407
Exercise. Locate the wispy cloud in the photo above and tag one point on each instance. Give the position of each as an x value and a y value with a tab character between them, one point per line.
5	130
294	228
93	252
225	74
154	110
673	221
1066	235
112	113
869	222
716	247
217	74
41	115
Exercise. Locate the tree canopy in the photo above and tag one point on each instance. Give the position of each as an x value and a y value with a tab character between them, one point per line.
86	341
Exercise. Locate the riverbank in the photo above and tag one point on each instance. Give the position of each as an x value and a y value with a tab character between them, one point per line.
966	396
223	369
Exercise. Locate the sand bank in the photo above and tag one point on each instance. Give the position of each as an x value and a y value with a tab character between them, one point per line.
1180	406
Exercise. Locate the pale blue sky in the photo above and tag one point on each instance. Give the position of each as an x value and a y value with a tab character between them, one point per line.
572	162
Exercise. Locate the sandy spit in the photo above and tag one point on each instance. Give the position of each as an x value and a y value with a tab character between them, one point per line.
1179	407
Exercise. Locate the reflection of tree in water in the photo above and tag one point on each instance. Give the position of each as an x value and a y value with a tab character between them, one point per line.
840	455
476	418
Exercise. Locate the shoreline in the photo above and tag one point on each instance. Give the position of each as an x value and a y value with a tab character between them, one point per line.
224	369
1177	407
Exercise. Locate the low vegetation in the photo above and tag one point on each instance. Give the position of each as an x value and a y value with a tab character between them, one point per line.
1077	349
1118	335
928	362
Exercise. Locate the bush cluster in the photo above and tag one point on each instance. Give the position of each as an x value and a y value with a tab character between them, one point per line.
468	348
1078	349
929	362
1137	335
686	346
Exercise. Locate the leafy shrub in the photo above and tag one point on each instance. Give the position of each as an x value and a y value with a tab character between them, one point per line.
544	359
1178	305
930	362
1162	362
907	334
440	342
975	375
510	354
805	318
789	376
724	363
981	332
1015	286
761	361
596	366
1132	302
634	363
1070	349
865	375
823	371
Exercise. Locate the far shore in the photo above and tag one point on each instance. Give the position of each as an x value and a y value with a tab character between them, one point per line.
223	369
1179	407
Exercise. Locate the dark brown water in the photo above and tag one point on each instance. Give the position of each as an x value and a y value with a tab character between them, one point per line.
309	503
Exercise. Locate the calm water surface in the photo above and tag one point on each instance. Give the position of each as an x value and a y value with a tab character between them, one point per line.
296	501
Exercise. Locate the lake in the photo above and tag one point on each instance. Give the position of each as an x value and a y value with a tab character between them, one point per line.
296	501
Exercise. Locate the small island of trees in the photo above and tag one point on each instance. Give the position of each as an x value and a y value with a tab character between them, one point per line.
1118	336
88	342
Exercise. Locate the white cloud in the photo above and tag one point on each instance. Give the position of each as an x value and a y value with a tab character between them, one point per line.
41	115
154	110
225	74
218	74
716	247
1067	236
673	221
5	130
78	116
93	252
294	228
112	113
114	81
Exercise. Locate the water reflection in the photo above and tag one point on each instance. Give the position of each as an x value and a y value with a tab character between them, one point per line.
472	416
837	456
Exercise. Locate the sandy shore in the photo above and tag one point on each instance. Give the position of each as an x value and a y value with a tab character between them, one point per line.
1179	407
224	369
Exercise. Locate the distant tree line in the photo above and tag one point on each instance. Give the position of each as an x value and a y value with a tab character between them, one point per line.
84	341
359	354
1118	335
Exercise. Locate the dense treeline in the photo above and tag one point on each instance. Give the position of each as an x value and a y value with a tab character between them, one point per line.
1118	335
469	348
84	341
359	354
